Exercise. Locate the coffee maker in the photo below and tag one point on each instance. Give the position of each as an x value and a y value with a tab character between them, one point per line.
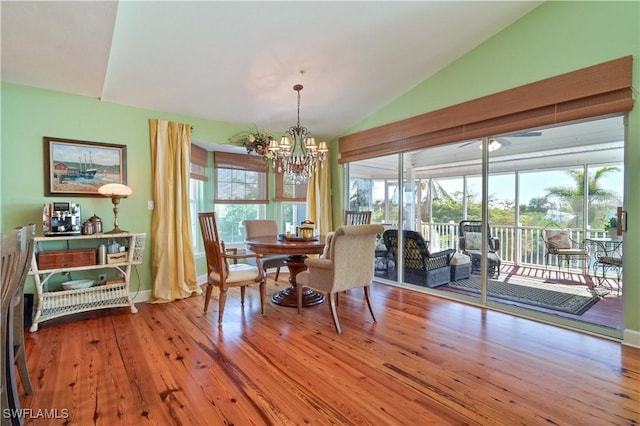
61	218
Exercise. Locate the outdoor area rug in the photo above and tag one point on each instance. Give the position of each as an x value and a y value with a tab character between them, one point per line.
572	299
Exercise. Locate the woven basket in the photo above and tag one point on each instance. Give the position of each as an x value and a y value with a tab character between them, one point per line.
58	303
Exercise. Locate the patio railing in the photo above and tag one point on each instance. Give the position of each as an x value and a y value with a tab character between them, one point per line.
522	245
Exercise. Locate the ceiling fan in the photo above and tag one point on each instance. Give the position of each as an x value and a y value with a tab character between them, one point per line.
497	143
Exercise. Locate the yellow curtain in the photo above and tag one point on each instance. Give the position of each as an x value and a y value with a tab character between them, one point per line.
319	207
173	267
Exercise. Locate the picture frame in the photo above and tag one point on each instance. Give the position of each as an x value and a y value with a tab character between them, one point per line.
78	168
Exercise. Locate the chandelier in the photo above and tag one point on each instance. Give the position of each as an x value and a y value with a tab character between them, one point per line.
297	153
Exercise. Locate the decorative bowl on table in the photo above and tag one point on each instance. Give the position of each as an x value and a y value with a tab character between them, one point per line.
77	284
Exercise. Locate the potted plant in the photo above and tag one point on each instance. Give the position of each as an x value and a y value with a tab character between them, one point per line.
612	227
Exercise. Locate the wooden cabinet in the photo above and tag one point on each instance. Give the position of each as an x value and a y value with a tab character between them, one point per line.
78	257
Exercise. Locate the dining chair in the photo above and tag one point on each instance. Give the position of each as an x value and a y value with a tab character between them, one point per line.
262	228
223	275
20	356
353	217
348	263
12	244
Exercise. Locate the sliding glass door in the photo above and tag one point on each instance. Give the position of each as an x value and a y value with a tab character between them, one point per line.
568	178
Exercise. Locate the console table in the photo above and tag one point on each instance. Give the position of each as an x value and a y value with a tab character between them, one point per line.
51	304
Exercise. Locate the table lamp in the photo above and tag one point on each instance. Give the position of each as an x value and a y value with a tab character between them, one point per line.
116	191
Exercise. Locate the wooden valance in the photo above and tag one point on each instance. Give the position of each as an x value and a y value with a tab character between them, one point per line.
589	92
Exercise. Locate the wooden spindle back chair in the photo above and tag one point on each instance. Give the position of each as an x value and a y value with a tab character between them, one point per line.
223	275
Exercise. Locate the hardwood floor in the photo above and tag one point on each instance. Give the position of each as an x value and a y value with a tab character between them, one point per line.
427	361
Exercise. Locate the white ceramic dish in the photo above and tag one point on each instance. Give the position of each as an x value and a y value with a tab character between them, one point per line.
77	284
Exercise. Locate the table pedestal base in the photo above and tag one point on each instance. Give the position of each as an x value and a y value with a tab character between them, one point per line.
289	296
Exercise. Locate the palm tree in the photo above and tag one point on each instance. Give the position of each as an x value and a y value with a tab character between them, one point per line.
598	198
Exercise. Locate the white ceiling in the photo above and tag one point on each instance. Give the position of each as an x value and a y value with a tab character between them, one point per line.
238	61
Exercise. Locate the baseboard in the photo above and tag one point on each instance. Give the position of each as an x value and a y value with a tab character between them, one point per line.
631	338
141	296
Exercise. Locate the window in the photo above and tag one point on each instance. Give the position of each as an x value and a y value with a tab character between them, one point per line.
195	195
197	176
291	214
240	193
240	179
230	218
288	190
292	197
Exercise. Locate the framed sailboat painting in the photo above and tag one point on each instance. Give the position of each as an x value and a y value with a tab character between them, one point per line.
79	168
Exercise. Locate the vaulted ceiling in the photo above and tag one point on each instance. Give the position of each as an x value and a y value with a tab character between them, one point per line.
238	61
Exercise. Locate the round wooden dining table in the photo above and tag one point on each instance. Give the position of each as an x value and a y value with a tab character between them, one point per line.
296	251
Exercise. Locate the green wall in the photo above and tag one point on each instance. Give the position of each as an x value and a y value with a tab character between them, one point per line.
28	114
555	38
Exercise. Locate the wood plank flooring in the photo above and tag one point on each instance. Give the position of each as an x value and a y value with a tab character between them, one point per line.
426	361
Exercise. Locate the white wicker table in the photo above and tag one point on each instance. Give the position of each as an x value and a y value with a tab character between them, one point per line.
53	304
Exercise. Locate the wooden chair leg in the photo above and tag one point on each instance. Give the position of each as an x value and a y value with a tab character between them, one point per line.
334	312
243	291
263	293
207	297
299	297
366	295
10	373
223	300
18	344
277	273
7	401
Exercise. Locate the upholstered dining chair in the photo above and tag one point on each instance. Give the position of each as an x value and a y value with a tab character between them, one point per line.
347	264
223	275
261	228
352	217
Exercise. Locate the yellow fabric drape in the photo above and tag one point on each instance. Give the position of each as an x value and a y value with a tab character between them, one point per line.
319	209
173	267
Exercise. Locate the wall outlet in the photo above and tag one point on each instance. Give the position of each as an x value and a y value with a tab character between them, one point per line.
102	278
150	205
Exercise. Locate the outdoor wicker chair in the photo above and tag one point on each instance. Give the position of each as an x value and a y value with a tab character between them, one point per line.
420	266
470	243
